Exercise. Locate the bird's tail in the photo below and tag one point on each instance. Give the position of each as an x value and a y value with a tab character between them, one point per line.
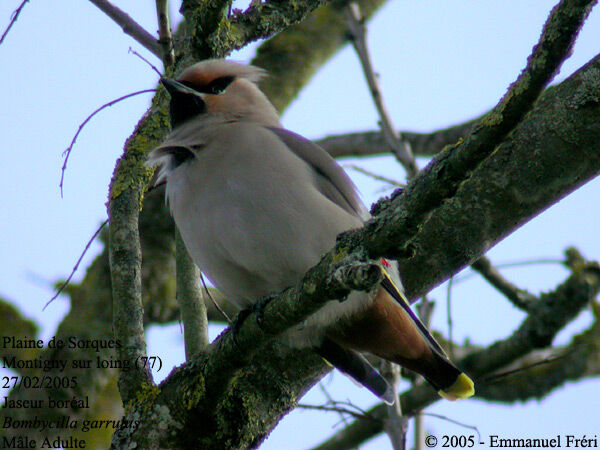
391	330
450	382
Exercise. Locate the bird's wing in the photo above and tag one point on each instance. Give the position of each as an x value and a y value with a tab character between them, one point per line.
331	179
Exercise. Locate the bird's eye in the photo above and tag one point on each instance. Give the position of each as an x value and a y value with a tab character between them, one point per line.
218	85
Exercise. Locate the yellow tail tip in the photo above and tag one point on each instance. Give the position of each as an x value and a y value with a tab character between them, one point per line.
463	387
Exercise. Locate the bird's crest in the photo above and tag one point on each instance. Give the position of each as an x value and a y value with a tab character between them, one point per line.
202	74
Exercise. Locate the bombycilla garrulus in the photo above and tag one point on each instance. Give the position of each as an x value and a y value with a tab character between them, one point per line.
258	205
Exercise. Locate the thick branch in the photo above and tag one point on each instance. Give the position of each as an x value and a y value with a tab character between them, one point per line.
125	253
553	151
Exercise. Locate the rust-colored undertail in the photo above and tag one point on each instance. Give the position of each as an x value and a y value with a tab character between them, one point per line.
390	329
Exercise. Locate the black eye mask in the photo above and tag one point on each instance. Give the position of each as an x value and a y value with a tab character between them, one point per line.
215	87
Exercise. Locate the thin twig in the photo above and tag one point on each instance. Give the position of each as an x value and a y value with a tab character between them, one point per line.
331	401
499	375
461	424
510	265
399	147
165	37
337	409
374	175
68	280
146	61
517	296
129	26
396	425
13	18
67	152
449	317
213	300
425	311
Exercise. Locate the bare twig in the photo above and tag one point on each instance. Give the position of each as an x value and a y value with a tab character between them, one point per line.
146	61
213	300
331	401
396	425
449	317
68	280
337	409
494	378
67	152
513	264
165	38
368	143
425	311
374	175
517	296
460	424
129	26
399	147
13	18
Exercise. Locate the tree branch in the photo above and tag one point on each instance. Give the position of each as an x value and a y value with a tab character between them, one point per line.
129	26
370	143
259	21
518	297
393	139
165	38
191	301
125	256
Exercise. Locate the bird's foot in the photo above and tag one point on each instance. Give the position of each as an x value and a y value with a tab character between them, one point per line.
257	308
239	320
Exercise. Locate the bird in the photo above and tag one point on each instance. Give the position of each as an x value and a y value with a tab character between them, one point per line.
258	205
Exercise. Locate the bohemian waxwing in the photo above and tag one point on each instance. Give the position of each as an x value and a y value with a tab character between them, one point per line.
258	205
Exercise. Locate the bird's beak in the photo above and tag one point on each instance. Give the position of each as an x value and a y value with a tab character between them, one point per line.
174	87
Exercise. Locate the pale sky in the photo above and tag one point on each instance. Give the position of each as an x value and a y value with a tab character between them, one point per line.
439	62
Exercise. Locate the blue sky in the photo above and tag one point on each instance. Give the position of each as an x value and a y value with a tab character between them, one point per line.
439	62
